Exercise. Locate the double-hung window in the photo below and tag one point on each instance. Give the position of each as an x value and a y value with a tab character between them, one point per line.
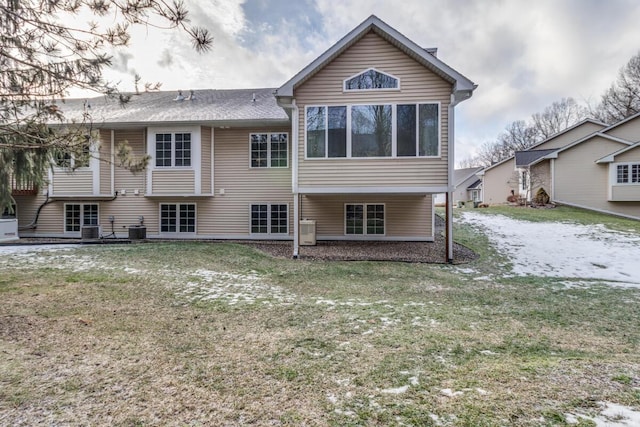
375	130
364	219
177	218
628	173
77	216
269	218
269	150
173	150
73	159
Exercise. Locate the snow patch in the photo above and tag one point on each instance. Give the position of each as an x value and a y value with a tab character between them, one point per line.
397	390
566	250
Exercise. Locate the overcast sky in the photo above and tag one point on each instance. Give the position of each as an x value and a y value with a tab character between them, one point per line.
524	55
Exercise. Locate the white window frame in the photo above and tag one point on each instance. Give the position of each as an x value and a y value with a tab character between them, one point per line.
93	151
178	232
269	219
344	82
82	211
364	219
269	158
173	134
629	166
394	126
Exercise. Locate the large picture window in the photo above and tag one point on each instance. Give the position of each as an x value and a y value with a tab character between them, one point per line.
628	173
378	130
269	150
173	150
364	219
177	218
78	215
269	218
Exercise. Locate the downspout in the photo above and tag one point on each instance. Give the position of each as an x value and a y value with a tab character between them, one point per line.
449	198
294	173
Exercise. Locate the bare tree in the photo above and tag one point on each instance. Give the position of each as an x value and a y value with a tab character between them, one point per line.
517	136
44	52
557	117
622	99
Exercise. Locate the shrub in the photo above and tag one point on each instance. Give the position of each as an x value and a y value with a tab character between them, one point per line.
541	198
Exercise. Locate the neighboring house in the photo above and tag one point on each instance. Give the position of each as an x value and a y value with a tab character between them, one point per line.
598	171
359	141
467	186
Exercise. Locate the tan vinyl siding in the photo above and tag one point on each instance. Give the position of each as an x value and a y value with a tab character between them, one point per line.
626	193
206	160
128	207
580	181
541	178
417	84
242	185
72	183
628	131
629	156
105	161
405	216
172	181
570	136
498	182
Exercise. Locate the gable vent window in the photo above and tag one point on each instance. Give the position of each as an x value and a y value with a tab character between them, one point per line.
371	79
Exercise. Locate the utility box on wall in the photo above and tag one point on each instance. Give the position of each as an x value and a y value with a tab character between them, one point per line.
307	232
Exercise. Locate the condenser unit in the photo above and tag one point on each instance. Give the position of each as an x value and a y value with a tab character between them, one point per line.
307	232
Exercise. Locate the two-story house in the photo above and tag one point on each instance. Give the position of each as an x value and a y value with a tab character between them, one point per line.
360	141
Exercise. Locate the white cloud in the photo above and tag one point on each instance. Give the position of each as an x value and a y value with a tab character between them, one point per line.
524	55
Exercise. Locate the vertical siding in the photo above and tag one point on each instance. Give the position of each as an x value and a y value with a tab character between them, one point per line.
498	182
629	131
568	137
205	134
581	181
105	161
417	84
405	216
242	185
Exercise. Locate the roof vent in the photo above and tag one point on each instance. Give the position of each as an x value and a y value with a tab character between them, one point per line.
192	96
179	97
253	98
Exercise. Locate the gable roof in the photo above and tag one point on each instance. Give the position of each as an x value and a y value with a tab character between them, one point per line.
610	158
621	122
461	175
528	157
554	154
555	135
475	185
219	107
462	86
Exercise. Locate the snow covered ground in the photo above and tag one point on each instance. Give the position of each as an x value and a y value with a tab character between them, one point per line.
564	250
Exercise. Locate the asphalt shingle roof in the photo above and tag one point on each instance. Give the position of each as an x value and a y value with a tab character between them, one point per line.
207	105
525	158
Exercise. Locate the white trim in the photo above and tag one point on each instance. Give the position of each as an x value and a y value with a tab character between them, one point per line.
269	233
396	89
463	87
614	168
372	190
295	148
269	134
94	166
364	218
296	224
552	166
213	161
113	161
177	232
377	237
394	129
603	211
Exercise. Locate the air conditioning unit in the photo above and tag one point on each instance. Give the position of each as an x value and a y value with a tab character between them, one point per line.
307	232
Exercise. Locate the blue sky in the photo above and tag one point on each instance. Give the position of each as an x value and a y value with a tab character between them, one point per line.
524	55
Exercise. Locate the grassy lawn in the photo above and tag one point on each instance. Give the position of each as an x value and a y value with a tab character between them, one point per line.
220	334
